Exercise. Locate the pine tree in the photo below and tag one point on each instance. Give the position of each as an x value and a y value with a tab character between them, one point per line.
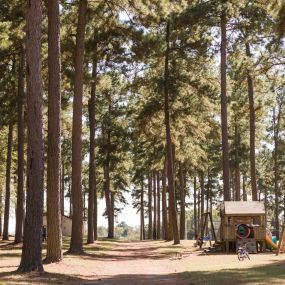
8	183
31	259
225	148
21	136
170	174
54	242
76	244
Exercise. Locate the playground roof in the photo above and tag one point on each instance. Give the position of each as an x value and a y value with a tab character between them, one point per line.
243	208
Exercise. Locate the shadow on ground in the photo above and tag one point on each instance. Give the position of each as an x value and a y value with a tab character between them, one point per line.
270	274
52	278
265	274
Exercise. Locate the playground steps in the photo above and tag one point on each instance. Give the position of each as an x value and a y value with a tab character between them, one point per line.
250	244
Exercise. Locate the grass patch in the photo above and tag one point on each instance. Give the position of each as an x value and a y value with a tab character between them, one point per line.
266	274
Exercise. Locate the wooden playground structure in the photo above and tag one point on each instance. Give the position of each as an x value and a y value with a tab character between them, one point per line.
242	222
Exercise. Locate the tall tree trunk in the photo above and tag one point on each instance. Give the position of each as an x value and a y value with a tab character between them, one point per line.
62	189
149	234
108	193
54	231
107	196
84	206
8	183
208	191
154	233
199	210
76	244
1	211
142	233
283	209
70	201
195	208
95	212
170	221
224	119
164	203
202	200
21	139
276	167
92	173
251	128
31	259
237	166
182	199
232	190
170	172
158	205
202	195
112	215
266	205
244	194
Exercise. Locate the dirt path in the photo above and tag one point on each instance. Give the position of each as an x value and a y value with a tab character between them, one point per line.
146	263
130	263
105	263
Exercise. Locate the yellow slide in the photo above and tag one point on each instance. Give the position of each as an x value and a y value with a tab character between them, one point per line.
269	241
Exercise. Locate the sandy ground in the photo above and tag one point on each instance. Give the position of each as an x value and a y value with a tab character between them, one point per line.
147	263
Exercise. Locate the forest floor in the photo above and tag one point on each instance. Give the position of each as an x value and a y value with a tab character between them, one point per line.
146	263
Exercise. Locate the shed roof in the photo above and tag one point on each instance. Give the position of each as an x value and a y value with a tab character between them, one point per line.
243	208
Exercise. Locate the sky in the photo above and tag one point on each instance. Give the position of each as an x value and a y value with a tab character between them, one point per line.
128	215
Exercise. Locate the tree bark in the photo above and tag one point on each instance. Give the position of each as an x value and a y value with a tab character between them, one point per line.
108	193
149	234
92	198
8	183
199	211
276	122
112	215
251	128
76	244
158	206
1	211
195	209
95	212
21	139
54	231
224	119
237	166
182	201
70	201
164	203
208	191
142	232
62	189
154	233
170	172
244	194
31	259
202	196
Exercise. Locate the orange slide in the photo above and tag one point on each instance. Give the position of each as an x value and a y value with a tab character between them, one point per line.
269	241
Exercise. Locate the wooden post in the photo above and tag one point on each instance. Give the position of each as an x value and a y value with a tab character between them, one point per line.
281	240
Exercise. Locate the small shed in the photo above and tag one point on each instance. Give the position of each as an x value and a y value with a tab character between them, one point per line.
247	215
66	224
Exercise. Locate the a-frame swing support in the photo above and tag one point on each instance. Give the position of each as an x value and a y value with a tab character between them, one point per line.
205	225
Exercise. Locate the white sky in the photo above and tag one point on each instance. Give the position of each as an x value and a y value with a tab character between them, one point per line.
128	215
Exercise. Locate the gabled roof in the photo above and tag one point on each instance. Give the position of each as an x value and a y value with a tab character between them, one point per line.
243	208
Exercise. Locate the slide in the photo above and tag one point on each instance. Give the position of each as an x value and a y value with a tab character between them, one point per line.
269	242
